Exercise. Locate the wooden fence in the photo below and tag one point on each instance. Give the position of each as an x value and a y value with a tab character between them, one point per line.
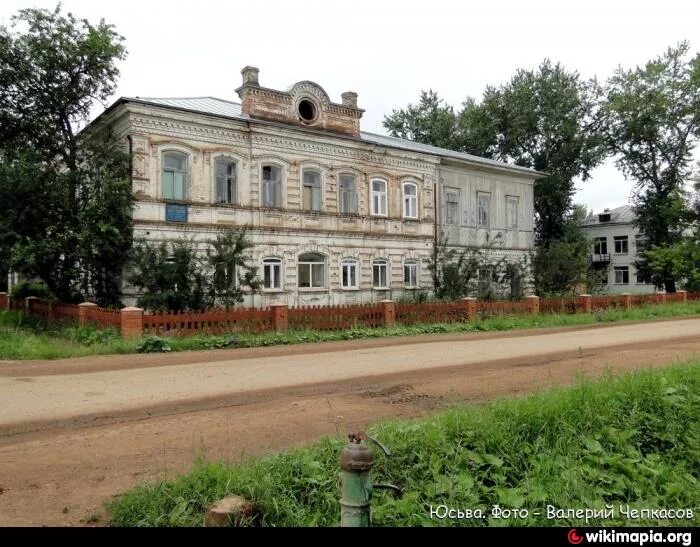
133	322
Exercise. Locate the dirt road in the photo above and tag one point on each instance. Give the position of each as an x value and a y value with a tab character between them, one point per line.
75	432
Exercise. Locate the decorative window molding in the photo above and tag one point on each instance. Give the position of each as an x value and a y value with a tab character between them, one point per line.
380	273
410	200
379	195
272	274
311	271
349	273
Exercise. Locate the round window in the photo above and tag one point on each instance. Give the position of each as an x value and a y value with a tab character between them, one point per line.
307	110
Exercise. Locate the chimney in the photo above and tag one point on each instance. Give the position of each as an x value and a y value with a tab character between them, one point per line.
250	75
349	99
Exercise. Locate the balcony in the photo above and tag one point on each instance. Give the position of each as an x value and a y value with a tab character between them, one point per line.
599	258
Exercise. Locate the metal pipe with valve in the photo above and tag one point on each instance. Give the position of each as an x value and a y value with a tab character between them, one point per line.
356	462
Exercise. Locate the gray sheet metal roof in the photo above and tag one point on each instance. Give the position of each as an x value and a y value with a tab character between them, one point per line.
230	109
619	215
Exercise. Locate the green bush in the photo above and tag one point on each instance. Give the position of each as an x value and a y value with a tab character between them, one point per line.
29	288
153	344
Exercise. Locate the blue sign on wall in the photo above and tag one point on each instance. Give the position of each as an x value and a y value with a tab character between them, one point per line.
175	213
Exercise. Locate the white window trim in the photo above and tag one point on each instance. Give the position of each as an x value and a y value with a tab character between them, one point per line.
488	214
459	199
416	265
403	200
356	262
324	287
283	183
280	262
387	275
386	197
321	189
188	169
237	162
615	270
356	179
516	199
615	249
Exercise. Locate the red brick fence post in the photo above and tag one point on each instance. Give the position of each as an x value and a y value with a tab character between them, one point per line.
683	295
533	303
131	322
280	317
84	312
469	307
4	301
627	300
586	303
389	312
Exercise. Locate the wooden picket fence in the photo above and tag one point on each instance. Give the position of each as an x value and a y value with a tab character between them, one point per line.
207	322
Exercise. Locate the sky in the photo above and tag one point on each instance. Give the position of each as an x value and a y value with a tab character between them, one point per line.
387	51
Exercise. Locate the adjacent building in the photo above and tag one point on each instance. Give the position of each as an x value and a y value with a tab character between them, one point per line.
336	215
616	242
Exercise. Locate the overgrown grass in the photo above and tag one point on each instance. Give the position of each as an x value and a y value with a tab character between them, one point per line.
627	440
22	338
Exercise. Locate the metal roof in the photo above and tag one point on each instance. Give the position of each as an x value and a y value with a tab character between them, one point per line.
619	215
230	109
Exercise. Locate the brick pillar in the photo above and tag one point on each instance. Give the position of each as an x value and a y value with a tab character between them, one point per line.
84	311
585	301
280	317
389	309
29	304
627	300
533	303
4	301
683	297
131	322
469	303
49	311
663	297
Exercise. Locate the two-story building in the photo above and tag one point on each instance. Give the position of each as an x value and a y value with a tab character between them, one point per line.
616	243
336	215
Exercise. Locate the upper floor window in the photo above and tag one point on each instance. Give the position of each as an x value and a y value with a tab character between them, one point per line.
311	191
621	245
379	274
600	246
312	271
347	185
272	273
451	205
379	197
512	203
484	210
349	273
641	242
410	273
174	175
271	186
410	200
225	175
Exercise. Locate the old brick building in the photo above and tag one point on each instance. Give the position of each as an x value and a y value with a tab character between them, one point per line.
336	215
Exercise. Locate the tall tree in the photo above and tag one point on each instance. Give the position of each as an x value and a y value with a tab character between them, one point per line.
651	122
66	199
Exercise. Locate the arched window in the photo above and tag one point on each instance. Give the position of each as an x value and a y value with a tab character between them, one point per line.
271	186
349	273
312	271
379	197
410	200
272	273
347	186
410	273
311	190
225	180
174	175
380	272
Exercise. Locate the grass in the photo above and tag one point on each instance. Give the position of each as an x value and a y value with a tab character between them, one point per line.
631	440
26	338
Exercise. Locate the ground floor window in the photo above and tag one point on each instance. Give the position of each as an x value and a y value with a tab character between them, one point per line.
349	274
272	273
622	275
410	274
312	271
379	274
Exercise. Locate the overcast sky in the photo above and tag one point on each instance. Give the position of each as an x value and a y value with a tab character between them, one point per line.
387	51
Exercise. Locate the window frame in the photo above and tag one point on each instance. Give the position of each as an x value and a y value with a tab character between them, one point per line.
416	275
379	194
234	194
509	200
356	201
379	264
621	239
319	187
457	220
275	263
597	250
323	261
355	264
479	224
406	199
261	198
622	270
184	172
